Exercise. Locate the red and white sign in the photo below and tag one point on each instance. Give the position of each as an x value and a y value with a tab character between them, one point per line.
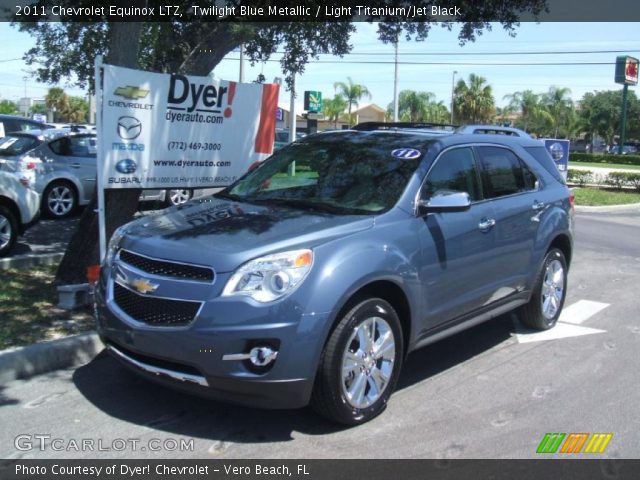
160	130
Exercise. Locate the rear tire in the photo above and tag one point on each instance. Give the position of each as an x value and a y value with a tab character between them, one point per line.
360	364
8	230
59	199
550	290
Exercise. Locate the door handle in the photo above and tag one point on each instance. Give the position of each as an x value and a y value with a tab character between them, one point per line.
75	165
486	224
537	205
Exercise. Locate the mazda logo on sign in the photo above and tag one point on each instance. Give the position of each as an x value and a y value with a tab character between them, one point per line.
126	166
129	128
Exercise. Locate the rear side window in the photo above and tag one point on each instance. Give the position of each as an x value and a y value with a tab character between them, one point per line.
454	171
504	173
11	145
541	154
74	147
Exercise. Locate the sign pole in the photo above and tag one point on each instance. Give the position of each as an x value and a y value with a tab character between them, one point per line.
102	235
623	118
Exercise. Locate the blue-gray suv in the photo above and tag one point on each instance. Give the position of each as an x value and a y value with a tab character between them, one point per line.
311	278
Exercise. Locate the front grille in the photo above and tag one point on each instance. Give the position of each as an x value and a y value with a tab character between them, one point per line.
154	311
167	269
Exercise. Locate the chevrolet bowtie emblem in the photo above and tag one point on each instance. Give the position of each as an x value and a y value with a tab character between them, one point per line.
143	285
134	93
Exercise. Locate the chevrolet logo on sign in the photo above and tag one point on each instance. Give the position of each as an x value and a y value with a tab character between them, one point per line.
131	92
143	285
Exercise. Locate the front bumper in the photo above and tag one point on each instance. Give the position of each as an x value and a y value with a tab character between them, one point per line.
190	357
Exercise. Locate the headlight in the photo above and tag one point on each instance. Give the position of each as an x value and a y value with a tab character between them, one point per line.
270	277
114	243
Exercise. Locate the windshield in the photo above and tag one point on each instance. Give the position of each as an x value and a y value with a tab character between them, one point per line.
11	146
347	173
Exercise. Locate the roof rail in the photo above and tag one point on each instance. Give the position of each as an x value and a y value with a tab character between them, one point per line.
368	126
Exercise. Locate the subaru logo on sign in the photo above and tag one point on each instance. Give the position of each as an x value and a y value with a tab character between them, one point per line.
129	128
126	166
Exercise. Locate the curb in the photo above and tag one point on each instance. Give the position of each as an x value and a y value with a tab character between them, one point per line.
30	260
607	208
25	362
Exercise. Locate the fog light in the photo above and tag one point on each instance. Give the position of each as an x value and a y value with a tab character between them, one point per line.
262	356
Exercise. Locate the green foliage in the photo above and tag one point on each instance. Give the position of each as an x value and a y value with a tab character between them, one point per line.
624	179
473	101
618	180
419	107
579	177
352	93
605	158
601	112
7	107
334	108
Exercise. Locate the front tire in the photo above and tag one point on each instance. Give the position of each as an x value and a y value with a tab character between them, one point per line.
177	196
8	230
544	308
360	364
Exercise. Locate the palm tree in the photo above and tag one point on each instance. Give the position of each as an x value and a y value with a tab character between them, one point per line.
412	106
474	102
352	92
527	103
558	104
56	101
334	108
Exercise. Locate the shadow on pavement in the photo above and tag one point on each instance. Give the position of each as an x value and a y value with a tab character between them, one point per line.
123	395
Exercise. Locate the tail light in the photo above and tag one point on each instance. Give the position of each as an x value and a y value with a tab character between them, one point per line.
572	200
24	182
31	165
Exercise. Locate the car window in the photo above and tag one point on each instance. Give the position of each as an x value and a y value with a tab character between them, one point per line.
541	154
351	173
454	171
17	145
74	147
504	173
27	126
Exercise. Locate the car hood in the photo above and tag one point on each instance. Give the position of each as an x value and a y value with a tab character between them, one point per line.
225	234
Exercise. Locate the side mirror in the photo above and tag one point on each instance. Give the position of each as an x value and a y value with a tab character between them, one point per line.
445	202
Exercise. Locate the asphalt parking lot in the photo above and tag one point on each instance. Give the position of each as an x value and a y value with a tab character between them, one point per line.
491	392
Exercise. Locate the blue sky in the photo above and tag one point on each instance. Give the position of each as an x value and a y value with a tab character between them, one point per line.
505	79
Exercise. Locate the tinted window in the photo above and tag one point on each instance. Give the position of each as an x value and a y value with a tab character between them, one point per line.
504	173
344	173
454	171
17	145
74	147
543	157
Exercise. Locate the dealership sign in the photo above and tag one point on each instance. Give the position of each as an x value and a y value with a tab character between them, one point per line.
559	151
626	70
160	130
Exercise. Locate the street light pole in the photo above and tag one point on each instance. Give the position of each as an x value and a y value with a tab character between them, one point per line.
26	106
453	81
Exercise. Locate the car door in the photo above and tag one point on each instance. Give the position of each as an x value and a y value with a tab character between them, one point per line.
75	157
513	192
456	247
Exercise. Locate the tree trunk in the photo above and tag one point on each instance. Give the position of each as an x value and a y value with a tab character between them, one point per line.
120	205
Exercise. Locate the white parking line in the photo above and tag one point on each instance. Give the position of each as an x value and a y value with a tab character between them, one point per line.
580	311
568	324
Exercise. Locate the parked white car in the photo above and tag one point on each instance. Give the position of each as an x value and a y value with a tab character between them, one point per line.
19	209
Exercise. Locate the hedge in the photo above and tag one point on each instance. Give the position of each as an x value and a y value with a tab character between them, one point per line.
614	179
604	158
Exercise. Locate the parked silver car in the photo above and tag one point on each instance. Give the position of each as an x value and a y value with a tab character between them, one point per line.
59	165
62	167
19	209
